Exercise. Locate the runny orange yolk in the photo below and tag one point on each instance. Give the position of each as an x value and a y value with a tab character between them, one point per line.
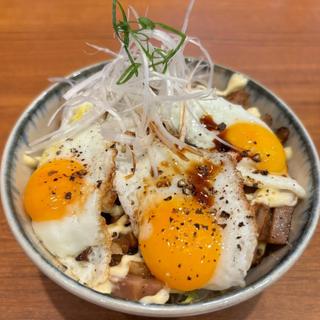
52	187
180	243
258	140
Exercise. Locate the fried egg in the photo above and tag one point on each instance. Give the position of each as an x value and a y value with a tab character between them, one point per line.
240	128
194	224
245	132
63	198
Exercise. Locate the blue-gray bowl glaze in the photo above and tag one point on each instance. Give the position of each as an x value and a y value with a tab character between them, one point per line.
304	166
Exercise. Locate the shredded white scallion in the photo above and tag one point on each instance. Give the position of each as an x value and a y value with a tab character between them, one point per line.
141	97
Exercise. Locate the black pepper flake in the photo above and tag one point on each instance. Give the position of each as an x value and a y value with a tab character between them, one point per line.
256	157
186	211
170	219
244	153
225	215
241	224
168	198
197	225
163	183
68	195
188	190
262	172
179	265
181	183
203	170
55	179
84	255
239	247
222	126
99	182
222	225
189	278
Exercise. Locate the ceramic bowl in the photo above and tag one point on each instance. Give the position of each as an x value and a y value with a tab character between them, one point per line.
304	166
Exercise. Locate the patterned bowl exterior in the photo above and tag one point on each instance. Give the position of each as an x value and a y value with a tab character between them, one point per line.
304	166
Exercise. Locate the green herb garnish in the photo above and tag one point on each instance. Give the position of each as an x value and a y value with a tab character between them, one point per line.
126	30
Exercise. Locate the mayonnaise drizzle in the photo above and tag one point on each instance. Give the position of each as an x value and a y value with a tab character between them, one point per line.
236	82
121	270
161	297
120	226
274	198
254	111
31	162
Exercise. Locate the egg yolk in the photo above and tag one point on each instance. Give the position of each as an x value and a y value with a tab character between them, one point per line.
52	187
259	142
180	242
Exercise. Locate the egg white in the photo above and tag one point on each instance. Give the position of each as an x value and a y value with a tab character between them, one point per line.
253	178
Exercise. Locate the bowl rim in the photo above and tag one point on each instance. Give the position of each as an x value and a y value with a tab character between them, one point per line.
130	307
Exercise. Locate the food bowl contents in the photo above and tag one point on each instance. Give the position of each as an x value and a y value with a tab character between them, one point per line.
157	187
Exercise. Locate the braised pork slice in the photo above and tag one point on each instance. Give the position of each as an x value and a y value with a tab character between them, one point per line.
267	118
280	225
135	287
283	134
139	269
240	97
263	220
127	242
